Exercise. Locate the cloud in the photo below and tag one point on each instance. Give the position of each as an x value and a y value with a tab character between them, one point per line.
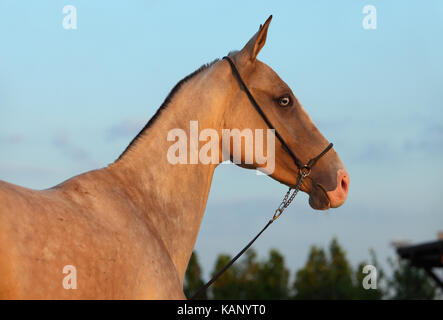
376	152
26	170
15	138
126	128
62	141
423	139
429	140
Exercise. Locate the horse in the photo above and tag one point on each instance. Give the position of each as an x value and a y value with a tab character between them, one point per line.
127	231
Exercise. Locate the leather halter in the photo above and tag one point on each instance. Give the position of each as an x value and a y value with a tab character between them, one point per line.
297	162
303	172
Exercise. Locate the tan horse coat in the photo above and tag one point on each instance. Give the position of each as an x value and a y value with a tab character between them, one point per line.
130	228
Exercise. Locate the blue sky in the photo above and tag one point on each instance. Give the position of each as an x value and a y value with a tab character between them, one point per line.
71	100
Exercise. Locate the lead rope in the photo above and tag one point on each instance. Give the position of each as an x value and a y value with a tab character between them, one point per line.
287	199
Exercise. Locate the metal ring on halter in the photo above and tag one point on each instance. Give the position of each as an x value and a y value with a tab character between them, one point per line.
305	171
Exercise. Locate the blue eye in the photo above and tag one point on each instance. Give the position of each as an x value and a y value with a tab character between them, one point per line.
284	101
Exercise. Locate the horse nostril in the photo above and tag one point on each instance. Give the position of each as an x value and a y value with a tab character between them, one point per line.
344	184
338	196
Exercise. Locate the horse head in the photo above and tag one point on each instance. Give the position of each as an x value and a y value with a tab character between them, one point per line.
328	182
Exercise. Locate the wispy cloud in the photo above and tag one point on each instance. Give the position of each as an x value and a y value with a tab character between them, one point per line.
376	151
126	128
424	138
15	138
62	141
429	140
30	175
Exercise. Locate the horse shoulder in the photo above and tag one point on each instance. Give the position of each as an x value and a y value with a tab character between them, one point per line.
74	224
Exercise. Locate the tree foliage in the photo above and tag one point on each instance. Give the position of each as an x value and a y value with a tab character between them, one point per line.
252	279
408	282
193	277
327	274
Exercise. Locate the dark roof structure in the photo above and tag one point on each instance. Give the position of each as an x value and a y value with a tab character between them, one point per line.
426	255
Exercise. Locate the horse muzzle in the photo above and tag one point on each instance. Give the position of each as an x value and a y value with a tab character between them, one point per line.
322	199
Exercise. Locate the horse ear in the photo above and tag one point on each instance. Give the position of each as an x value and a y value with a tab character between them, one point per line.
256	43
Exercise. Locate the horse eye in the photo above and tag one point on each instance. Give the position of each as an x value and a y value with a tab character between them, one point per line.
284	101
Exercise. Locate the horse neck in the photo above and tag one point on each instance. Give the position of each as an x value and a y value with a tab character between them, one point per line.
173	197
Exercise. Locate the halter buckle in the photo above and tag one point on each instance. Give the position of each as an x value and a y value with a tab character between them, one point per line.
305	171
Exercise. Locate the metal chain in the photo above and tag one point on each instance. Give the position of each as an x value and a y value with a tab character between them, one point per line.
287	199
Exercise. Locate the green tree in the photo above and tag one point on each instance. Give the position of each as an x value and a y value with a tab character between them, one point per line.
228	285
248	276
193	278
326	275
341	285
313	280
330	276
408	282
267	279
252	279
272	278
